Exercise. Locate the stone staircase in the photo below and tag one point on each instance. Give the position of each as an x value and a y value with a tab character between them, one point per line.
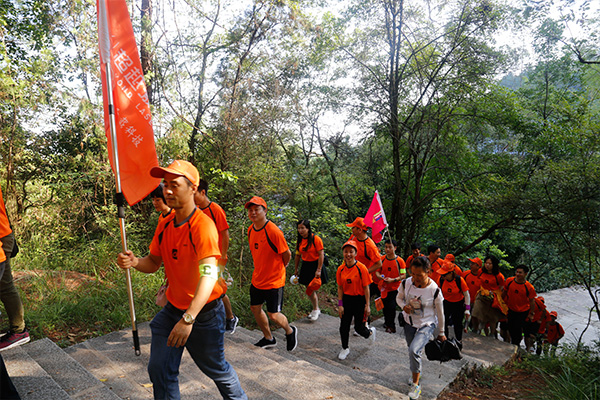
107	368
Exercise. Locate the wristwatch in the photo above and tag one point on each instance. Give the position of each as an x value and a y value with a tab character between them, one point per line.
188	318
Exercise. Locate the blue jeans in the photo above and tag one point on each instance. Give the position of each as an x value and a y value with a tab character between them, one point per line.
206	346
416	339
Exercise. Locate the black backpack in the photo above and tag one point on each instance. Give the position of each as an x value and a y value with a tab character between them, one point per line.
447	350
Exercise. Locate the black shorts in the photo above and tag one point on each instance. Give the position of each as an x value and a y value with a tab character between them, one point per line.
273	298
531	328
308	270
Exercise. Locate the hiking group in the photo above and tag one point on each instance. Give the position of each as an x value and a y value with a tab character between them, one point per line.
191	240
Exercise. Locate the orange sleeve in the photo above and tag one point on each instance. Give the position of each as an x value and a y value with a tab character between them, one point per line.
5	229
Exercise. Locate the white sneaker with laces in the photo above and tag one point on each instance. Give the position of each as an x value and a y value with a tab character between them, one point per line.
344	353
415	391
314	315
373	334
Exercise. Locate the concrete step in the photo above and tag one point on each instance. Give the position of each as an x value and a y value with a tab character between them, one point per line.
68	373
30	379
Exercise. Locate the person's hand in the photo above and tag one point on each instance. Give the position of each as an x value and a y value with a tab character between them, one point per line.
441	337
367	310
179	335
318	274
407	309
127	260
467	314
388	279
341	311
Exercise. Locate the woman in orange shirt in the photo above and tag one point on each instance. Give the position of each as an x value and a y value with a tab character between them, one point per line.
457	301
309	249
353	280
491	280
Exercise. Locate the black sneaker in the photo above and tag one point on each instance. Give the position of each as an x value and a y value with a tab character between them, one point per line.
231	324
292	339
266	343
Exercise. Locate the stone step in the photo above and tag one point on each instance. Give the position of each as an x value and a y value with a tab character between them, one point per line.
68	373
30	379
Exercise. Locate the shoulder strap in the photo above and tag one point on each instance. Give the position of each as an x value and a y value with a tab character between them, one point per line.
437	292
366	253
271	244
458	283
212	215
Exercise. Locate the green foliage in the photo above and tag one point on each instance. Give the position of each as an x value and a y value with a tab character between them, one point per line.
571	374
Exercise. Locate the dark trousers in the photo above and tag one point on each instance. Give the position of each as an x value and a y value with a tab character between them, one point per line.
7	389
454	312
516	324
354	307
389	309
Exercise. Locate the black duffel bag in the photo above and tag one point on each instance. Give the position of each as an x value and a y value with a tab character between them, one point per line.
449	349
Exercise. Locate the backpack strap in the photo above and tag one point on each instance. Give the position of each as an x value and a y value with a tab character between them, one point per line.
212	215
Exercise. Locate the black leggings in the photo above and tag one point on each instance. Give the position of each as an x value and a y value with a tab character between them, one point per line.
389	309
454	312
354	307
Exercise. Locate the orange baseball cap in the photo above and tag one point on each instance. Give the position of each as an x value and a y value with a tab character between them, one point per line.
256	201
446	267
315	284
351	243
359	223
449	257
178	167
554	314
477	261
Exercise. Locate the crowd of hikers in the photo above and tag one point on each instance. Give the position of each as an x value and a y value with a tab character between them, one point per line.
434	294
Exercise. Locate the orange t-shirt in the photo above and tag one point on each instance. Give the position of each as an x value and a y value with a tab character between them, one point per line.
545	319
517	294
437	264
181	248
389	269
491	282
5	229
2	255
409	261
351	280
216	213
451	291
554	333
162	216
540	307
311	253
368	254
269	270
474	283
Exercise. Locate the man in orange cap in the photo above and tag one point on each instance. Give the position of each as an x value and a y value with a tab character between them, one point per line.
186	242
17	334
271	256
368	253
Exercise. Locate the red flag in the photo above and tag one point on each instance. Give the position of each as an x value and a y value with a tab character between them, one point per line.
133	123
375	218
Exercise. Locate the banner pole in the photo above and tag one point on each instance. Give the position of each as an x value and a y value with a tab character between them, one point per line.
120	202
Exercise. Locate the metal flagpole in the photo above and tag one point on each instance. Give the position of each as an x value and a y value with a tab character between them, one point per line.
120	202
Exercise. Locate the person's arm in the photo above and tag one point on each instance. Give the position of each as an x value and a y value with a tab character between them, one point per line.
467	302
531	309
400	299
375	266
181	331
439	311
320	263
147	264
286	257
223	246
340	301
297	262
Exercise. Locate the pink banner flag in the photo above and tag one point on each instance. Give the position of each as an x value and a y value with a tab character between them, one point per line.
375	218
133	124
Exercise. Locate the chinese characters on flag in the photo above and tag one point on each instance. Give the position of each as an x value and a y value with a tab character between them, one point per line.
133	123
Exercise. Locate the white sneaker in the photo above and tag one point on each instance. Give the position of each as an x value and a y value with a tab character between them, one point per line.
415	391
314	315
344	353
373	334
